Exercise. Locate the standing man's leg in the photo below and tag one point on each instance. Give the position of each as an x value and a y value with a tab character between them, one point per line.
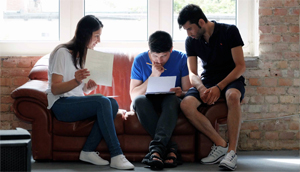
233	98
189	107
234	94
234	117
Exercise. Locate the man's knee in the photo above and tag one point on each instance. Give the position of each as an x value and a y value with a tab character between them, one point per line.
115	105
233	97
139	99
138	102
171	101
188	104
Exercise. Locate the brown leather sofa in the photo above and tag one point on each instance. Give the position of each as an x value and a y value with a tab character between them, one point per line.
62	141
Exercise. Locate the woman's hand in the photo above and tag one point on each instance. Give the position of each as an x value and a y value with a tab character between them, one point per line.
81	74
124	113
91	85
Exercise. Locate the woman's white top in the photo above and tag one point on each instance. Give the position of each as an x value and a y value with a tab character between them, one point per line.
61	63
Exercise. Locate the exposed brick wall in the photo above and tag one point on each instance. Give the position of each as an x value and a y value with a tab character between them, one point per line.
271	103
14	73
271	109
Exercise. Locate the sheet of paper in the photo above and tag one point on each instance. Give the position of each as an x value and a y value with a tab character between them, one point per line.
160	84
100	66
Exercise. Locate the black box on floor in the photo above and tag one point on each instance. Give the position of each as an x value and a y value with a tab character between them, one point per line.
15	150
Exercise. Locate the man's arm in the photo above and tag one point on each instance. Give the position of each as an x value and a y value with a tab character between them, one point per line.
240	67
137	87
194	78
186	84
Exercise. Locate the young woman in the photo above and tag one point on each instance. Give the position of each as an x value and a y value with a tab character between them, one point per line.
66	94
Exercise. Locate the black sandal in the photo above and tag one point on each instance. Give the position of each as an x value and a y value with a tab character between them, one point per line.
155	164
146	159
176	160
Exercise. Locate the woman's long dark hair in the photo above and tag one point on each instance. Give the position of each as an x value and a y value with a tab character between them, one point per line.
83	34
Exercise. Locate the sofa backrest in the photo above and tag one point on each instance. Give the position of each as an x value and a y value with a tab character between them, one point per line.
123	59
40	69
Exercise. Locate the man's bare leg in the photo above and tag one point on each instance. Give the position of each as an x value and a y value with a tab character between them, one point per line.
189	107
234	117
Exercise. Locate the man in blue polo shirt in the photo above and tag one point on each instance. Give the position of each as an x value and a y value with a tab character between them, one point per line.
219	46
160	60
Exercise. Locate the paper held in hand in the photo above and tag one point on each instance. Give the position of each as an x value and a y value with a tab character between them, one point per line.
100	65
160	85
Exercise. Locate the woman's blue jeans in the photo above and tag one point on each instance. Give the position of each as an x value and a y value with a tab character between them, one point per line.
71	109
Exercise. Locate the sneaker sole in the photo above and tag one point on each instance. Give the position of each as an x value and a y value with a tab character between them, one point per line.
225	166
214	162
122	168
92	162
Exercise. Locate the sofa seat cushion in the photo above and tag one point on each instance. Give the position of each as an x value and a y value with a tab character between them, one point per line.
82	128
134	127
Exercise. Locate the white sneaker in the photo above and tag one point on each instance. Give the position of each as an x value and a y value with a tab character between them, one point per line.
230	161
92	157
120	162
216	154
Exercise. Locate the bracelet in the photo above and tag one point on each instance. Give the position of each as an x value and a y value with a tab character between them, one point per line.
77	81
219	88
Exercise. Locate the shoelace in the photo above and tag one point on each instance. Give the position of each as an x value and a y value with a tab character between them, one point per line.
229	157
214	148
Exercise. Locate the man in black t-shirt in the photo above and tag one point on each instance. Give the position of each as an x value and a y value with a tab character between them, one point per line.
219	46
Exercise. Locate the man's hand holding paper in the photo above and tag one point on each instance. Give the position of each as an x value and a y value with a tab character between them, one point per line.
177	90
161	85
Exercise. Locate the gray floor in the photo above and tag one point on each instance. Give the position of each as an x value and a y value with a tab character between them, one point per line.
283	161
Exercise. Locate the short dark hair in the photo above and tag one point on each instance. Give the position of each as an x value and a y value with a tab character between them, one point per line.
160	41
192	13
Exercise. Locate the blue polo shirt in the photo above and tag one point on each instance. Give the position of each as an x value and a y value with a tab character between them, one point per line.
216	55
176	66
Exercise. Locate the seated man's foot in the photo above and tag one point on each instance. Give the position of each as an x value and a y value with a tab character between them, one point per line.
155	161
120	162
230	161
146	159
92	157
172	159
216	154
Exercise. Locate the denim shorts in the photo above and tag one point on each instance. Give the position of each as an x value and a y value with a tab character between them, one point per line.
238	84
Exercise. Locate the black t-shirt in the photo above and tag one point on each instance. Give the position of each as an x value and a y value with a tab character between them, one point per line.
216	55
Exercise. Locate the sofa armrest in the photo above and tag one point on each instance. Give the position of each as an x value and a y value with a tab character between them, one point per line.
35	89
31	105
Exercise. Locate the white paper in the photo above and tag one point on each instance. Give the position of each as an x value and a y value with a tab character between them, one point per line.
160	84
100	66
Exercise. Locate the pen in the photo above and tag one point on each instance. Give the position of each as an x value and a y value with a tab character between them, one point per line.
151	65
